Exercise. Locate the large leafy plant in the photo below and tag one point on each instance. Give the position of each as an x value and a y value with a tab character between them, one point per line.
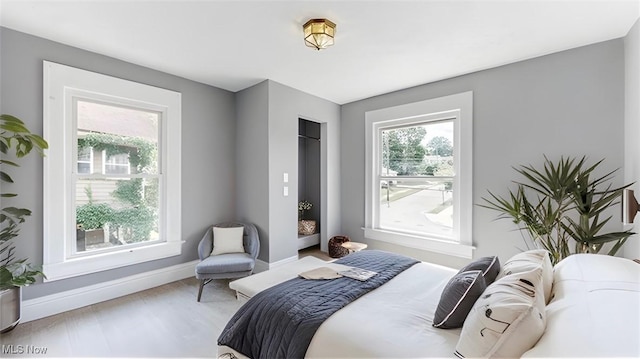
18	141
562	207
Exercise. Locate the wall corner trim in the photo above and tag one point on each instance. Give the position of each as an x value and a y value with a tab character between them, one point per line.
56	303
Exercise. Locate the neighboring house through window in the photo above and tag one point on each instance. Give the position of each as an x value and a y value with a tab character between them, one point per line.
117	179
418	172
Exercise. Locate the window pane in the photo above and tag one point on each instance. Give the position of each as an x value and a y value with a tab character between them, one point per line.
117	164
84	167
420	150
417	206
84	160
84	154
116	169
128	137
111	213
119	159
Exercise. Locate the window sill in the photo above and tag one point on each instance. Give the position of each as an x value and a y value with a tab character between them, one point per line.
422	243
110	260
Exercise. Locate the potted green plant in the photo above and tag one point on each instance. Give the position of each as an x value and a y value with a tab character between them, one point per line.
18	141
562	207
305	226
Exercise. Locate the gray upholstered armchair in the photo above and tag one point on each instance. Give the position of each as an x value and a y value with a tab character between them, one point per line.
229	265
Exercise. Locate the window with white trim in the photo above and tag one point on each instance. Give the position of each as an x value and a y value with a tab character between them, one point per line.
112	177
116	163
419	173
85	160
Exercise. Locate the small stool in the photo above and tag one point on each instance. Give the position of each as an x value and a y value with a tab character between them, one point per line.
336	250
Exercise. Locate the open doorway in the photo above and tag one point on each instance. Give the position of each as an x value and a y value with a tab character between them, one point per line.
309	183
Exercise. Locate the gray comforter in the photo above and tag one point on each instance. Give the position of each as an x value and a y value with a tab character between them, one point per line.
279	322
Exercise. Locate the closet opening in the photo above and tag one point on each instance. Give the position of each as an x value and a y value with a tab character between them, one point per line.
309	194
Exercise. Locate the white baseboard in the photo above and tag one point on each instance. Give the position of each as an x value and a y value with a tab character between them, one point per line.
48	305
283	261
262	266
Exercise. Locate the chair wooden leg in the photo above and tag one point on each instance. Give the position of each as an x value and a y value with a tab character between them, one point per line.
202	283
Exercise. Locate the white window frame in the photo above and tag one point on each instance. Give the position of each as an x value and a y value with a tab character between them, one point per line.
459	108
63	84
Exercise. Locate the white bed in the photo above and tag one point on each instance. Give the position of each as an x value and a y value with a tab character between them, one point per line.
589	294
394	320
594	310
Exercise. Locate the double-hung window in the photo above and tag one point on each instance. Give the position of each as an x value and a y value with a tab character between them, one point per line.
419	168
117	163
112	174
85	160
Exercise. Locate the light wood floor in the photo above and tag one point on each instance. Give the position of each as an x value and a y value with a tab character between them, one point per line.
166	321
161	322
316	252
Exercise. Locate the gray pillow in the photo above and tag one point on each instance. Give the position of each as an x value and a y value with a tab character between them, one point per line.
490	267
458	298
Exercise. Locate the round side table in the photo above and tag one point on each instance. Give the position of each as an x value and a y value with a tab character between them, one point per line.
354	246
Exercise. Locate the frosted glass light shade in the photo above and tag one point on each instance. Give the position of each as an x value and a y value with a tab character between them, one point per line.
319	33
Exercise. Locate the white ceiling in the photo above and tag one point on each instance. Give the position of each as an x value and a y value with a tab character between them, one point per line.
381	46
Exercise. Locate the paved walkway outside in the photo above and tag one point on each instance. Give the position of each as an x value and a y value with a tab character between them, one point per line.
413	212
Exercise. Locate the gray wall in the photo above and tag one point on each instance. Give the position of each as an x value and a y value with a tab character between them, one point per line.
252	156
208	147
568	103
267	147
286	105
632	124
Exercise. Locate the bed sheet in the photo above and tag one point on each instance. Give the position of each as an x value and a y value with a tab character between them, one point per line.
393	321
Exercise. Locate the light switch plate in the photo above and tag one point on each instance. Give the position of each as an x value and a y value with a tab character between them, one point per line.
285	191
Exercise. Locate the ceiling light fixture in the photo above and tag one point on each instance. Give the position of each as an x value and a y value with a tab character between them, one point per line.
319	33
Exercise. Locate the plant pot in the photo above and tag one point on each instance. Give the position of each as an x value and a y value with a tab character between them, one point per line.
306	227
97	236
10	308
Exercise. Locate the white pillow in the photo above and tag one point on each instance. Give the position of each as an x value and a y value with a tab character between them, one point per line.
526	261
227	240
507	320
